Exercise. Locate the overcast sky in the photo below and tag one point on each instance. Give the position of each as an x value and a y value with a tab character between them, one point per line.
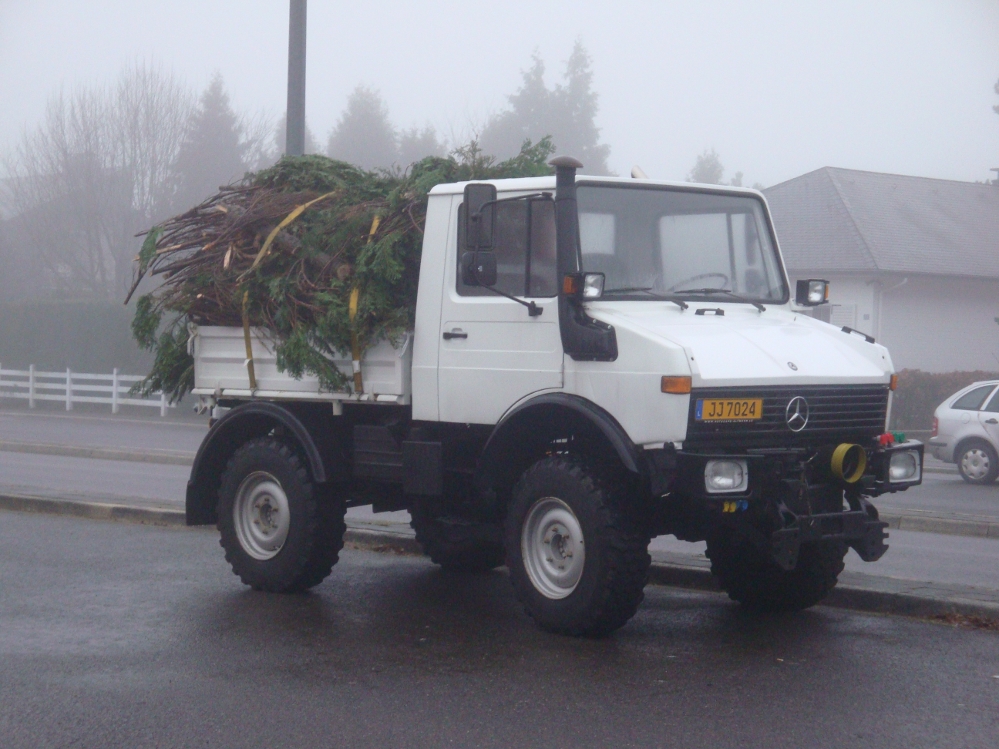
777	88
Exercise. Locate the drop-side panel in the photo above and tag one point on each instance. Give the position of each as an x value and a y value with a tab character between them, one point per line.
220	366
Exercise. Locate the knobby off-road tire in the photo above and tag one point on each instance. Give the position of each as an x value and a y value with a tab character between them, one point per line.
753	579
977	462
457	545
278	535
578	562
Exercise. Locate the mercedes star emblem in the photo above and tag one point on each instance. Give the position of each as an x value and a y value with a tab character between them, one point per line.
796	414
793	366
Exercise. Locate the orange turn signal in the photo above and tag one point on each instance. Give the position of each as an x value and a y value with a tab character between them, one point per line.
676	385
569	285
893	383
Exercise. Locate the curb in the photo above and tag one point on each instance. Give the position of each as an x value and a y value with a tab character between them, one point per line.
979	528
168	457
92	510
855	591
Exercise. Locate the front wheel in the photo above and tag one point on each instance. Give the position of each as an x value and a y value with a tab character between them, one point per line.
278	535
977	462
577	561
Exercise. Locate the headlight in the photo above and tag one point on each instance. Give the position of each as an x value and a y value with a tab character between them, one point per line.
904	466
722	476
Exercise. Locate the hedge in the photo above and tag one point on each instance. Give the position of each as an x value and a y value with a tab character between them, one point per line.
919	393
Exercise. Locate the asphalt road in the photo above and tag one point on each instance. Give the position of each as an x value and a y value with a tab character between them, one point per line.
128	635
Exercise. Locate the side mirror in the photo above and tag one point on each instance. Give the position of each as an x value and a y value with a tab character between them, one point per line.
811	292
480	209
478	268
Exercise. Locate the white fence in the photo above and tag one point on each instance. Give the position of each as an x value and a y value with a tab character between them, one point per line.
76	387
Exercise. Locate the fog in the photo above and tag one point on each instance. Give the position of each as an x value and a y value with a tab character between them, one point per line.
116	115
776	88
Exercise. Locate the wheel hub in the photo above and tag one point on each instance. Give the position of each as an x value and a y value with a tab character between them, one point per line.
552	547
975	463
261	515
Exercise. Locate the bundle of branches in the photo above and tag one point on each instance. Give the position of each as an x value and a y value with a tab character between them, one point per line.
286	248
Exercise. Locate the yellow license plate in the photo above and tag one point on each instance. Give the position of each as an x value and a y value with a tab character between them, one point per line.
728	409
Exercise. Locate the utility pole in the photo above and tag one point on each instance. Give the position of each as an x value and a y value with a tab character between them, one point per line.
295	132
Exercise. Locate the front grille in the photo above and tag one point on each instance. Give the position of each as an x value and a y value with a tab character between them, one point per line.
836	413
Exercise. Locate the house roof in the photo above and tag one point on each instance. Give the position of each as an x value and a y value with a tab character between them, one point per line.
848	220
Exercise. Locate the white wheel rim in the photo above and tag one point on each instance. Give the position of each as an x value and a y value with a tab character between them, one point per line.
261	516
551	544
975	463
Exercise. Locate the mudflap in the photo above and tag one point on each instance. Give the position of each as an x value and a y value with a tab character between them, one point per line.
860	529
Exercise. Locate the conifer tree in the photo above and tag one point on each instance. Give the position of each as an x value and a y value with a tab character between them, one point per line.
212	152
364	136
415	145
567	113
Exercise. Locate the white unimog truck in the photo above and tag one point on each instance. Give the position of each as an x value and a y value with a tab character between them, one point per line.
595	362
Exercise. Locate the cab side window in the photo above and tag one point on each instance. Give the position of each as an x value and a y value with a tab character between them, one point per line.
973	399
524	243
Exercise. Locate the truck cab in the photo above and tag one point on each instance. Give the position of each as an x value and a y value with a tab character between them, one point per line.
595	362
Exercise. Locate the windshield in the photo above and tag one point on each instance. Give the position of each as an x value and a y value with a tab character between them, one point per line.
667	242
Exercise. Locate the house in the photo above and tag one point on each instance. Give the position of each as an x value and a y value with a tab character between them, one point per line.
912	261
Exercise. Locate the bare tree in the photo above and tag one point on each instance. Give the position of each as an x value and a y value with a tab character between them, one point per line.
92	174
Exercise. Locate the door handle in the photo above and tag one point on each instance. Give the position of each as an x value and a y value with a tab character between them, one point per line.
991	421
456	333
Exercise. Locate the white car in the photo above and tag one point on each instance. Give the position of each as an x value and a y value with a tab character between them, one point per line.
966	432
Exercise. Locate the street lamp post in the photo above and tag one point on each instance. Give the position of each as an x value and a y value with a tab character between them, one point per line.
295	132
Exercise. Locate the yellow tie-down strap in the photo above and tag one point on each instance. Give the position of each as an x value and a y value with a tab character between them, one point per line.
355	296
247	342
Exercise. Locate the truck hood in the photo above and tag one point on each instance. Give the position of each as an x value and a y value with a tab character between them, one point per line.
776	347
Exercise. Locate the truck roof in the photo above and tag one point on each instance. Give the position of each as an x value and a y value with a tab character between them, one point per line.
548	183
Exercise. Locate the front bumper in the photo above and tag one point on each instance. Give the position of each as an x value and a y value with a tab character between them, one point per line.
862	530
792	498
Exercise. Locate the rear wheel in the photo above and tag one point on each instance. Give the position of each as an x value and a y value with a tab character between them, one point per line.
456	544
977	462
277	534
578	562
752	578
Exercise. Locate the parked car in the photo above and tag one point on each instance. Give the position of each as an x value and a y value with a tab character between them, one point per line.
966	432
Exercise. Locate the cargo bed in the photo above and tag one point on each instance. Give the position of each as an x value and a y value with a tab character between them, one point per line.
221	369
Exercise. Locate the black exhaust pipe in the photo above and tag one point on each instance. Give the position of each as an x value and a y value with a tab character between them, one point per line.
583	338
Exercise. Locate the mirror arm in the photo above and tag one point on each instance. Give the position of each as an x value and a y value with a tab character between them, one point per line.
533	310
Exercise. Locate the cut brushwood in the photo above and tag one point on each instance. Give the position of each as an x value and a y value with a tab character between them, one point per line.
324	255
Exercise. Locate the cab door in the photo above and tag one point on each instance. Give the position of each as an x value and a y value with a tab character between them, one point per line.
492	352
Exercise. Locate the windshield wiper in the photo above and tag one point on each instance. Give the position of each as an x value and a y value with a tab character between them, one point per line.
732	294
648	290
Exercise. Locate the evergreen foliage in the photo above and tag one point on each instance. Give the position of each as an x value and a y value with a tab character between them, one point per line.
364	136
567	113
213	151
217	266
415	145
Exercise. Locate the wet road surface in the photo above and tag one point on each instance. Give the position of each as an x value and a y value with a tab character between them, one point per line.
128	635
